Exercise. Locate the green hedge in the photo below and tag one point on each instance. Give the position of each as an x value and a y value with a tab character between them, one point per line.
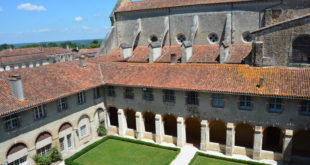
70	161
224	158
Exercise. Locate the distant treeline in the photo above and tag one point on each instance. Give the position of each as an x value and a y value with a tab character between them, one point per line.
67	44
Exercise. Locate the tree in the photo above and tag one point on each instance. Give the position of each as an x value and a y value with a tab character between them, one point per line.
94	44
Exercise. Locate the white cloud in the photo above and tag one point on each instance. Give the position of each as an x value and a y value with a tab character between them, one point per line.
31	7
41	31
1	10
86	28
78	19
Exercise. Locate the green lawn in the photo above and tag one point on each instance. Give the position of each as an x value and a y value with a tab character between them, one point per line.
117	152
202	160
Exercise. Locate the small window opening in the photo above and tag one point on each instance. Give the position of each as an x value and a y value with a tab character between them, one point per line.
213	38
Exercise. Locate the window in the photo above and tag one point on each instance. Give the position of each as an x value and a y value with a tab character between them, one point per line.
245	103
128	94
153	38
11	122
192	98
169	96
39	112
81	98
301	51
97	93
62	144
83	131
305	107
62	104
217	101
42	151
247	37
181	38
148	94
111	91
19	161
275	105
69	141
213	38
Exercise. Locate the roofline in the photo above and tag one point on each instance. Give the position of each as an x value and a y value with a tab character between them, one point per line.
280	23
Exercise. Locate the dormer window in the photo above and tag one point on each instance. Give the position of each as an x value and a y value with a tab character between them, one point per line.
12	122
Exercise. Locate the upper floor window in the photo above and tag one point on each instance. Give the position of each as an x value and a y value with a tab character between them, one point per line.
97	93
39	112
128	93
217	101
305	107
111	91
11	122
169	96
275	105
301	50
245	103
148	94
81	96
192	98
62	104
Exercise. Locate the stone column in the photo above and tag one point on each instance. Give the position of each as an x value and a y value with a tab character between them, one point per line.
205	138
258	142
93	129
230	139
76	138
181	139
159	129
139	126
287	145
121	122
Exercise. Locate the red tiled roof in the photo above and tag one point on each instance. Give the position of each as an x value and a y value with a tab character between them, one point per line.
205	53
87	51
239	52
29	54
167	51
140	54
155	4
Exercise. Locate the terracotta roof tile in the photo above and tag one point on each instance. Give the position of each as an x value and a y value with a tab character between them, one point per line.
140	54
239	52
167	51
205	53
155	4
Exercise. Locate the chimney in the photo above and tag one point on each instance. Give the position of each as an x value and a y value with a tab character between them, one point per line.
10	48
16	87
67	47
126	50
155	51
173	58
83	61
187	51
261	82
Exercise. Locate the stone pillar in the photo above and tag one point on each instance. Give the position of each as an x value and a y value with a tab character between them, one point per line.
258	142
159	129
230	139
76	138
181	139
287	145
106	120
121	122
139	126
205	138
93	129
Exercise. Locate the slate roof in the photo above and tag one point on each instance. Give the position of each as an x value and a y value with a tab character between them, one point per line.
156	4
47	83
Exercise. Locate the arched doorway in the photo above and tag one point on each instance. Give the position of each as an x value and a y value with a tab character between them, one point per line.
131	119
193	131
244	135
43	143
65	134
301	143
170	125
301	50
17	154
273	139
113	116
218	132
99	117
149	122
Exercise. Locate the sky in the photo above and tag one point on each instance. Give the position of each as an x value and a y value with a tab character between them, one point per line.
27	21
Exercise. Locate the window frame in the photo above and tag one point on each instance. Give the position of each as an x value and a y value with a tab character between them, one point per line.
148	94
192	98
44	150
169	96
81	98
39	112
305	104
217	101
62	104
82	135
13	121
247	103
97	94
129	93
111	91
275	102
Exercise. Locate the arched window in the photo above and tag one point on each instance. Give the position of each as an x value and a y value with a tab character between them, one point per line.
301	50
